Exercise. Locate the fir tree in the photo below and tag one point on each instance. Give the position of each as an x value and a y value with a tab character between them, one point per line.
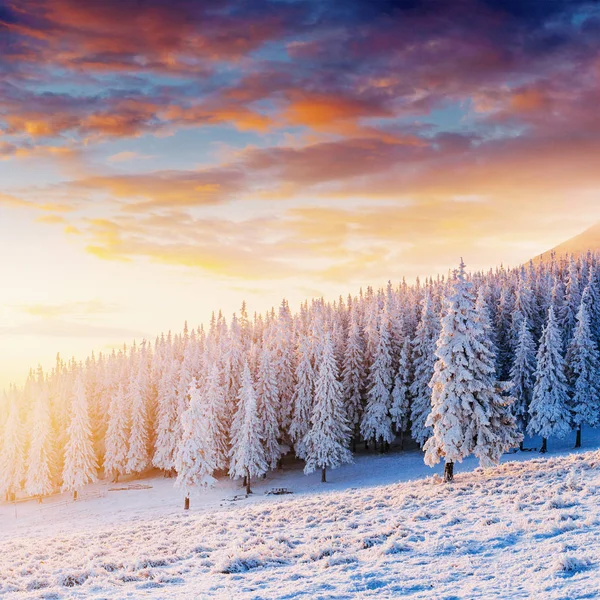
325	443
376	423
214	392
41	455
247	452
117	435
583	365
80	466
267	401
165	444
12	458
283	362
400	391
138	456
303	393
196	459
548	411
522	376
468	415
423	347
353	374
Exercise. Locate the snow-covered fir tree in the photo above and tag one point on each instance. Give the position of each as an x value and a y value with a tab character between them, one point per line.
138	454
303	392
353	374
267	402
376	423
325	444
583	362
117	435
549	409
522	376
41	452
468	414
247	451
399	409
12	458
423	350
80	466
165	445
196	459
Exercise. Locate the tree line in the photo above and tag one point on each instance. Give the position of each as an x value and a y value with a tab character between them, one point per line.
464	364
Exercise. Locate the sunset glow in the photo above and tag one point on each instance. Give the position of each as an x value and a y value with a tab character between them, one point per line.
161	163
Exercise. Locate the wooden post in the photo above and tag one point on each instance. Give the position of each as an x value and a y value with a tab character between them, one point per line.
324	475
578	438
74	494
544	447
186	503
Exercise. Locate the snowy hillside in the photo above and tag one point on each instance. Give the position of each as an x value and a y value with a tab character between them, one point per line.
525	529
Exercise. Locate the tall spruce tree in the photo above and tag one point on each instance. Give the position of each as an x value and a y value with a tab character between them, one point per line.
522	377
117	435
12	457
399	410
376	423
468	414
41	452
138	455
583	366
165	442
354	374
423	352
267	402
324	446
80	465
247	452
196	458
549	408
303	392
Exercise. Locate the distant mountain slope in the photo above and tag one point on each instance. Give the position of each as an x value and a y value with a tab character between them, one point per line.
588	240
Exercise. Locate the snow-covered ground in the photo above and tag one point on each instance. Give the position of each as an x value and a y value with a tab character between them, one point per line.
384	527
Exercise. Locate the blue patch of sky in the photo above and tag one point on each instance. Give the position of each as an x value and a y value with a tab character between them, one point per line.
185	149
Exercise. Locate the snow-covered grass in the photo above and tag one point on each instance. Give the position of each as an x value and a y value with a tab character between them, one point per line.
529	528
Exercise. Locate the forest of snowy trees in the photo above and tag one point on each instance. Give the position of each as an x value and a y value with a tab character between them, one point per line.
463	365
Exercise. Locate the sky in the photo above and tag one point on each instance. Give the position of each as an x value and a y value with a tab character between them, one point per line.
163	159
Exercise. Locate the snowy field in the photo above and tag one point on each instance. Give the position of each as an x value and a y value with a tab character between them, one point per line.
384	527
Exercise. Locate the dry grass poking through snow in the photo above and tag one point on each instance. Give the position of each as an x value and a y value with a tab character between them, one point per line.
522	530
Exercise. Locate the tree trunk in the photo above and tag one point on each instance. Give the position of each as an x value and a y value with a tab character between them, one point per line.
244	481
449	472
381	446
186	503
116	479
544	447
402	440
375	444
521	447
248	490
74	494
354	444
578	438
324	475
366	444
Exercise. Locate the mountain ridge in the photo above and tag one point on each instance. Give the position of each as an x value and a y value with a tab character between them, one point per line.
588	239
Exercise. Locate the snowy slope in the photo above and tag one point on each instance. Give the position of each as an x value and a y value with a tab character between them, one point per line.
588	240
527	529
